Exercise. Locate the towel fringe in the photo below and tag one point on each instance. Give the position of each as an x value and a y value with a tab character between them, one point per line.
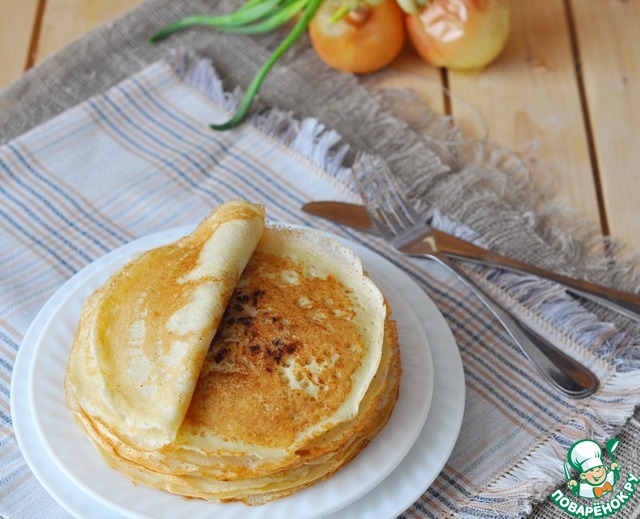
310	138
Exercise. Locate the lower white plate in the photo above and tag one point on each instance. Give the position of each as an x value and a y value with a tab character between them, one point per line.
73	473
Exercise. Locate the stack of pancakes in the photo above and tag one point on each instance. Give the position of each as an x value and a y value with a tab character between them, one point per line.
242	363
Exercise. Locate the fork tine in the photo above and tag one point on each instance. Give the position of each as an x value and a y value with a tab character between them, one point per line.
368	179
365	179
383	197
394	192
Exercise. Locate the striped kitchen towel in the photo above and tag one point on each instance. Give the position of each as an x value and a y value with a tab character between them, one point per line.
139	158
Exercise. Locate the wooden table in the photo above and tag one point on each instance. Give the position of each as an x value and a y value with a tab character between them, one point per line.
565	92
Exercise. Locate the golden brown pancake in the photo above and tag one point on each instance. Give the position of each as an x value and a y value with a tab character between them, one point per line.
302	372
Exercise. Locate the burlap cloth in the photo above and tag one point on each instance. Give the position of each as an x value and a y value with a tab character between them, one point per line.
498	200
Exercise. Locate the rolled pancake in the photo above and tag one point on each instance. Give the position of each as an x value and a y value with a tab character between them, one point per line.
143	336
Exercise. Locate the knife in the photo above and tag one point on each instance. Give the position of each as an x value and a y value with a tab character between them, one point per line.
356	216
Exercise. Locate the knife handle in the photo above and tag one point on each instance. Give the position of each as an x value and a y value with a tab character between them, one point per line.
564	373
623	303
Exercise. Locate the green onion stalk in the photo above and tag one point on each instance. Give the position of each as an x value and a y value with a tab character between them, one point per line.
253	17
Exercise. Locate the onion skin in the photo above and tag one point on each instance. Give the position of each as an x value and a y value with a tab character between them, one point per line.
460	34
350	46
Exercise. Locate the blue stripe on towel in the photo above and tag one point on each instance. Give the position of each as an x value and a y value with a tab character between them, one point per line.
86	213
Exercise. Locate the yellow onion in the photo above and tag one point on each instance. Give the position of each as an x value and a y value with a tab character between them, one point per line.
363	40
460	34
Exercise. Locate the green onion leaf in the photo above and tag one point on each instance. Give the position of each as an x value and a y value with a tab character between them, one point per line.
242	16
278	18
252	90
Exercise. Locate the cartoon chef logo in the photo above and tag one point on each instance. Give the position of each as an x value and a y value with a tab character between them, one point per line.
595	478
595	481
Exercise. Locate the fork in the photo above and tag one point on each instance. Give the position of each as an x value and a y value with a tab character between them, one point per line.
400	224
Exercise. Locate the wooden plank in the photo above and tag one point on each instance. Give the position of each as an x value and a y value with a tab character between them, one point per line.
409	71
16	27
530	96
608	33
67	20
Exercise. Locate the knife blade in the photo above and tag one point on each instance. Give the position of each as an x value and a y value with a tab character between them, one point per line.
344	213
356	216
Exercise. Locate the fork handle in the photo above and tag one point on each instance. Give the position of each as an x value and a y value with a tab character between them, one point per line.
563	372
619	302
624	303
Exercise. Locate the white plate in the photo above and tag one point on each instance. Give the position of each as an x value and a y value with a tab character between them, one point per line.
99	491
78	459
